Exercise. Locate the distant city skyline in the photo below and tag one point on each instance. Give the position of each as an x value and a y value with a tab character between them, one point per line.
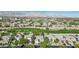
61	13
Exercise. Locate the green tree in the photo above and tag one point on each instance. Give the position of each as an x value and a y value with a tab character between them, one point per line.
46	40
62	46
30	46
12	38
76	37
56	40
1	38
42	33
76	45
41	22
7	25
27	41
44	43
4	33
22	41
16	42
33	39
0	24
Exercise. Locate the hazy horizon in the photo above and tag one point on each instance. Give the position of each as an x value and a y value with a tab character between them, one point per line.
61	13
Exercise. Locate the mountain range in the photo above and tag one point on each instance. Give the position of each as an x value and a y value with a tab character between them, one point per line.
20	14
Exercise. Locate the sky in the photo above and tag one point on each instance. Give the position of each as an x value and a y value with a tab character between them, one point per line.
54	7
63	13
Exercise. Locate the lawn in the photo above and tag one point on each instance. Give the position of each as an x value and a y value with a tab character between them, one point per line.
35	30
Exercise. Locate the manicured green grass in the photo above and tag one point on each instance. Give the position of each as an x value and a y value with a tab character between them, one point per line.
35	30
65	31
27	30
